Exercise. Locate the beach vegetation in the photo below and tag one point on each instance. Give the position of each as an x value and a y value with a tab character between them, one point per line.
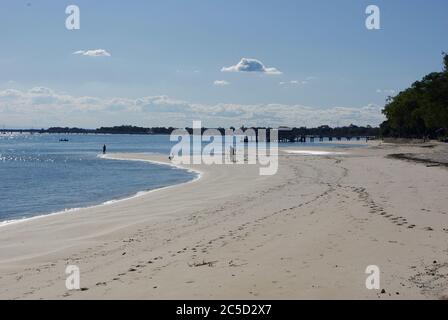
421	110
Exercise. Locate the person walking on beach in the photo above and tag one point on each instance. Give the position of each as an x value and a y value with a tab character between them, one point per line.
104	149
232	154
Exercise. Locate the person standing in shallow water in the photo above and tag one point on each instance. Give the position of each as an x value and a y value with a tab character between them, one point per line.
104	149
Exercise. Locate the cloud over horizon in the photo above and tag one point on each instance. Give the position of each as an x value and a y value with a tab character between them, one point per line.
251	65
221	83
43	107
292	82
93	53
297	82
386	91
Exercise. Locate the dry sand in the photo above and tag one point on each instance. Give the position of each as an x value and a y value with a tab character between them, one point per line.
307	232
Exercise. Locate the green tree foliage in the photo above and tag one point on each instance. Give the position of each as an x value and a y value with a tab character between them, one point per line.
421	110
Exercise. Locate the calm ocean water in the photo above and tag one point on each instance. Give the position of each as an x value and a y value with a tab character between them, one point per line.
39	174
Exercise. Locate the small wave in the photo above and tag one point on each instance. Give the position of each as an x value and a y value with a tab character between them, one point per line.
199	173
315	152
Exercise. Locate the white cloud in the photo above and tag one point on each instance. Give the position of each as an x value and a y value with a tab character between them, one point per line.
297	82
10	94
293	83
251	65
41	91
93	53
221	83
386	91
43	107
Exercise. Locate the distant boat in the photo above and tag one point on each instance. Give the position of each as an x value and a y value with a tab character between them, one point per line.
63	140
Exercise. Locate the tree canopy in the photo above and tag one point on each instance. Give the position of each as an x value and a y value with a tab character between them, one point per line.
421	110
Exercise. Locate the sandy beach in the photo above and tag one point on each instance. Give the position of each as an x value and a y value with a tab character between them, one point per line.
307	232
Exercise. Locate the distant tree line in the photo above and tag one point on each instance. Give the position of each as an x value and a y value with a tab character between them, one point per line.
291	134
421	110
285	133
111	130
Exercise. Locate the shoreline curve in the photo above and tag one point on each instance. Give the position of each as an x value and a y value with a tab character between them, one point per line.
138	194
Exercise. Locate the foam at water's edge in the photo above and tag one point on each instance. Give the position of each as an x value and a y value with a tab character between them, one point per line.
109	202
314	152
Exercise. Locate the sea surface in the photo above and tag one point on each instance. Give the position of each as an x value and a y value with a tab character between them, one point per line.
40	174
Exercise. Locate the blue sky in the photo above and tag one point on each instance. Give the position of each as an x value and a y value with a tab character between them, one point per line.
167	58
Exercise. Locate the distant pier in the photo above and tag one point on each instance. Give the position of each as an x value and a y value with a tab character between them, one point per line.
312	139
